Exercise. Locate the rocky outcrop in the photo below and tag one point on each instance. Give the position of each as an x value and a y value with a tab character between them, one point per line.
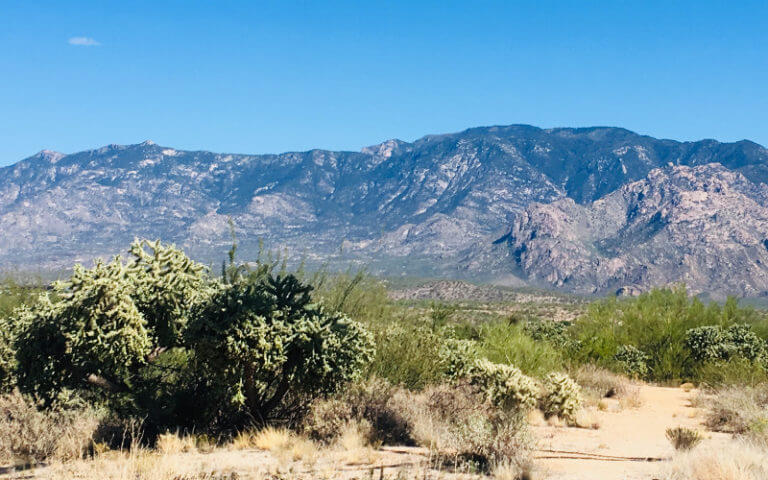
706	226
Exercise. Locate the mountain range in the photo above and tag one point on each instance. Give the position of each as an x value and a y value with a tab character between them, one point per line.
587	210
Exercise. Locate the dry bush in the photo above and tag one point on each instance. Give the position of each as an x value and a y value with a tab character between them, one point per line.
368	402
683	438
735	460
600	383
30	435
457	424
507	470
741	410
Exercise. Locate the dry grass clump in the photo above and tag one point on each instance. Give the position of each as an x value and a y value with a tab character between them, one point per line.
737	460
586	418
510	470
286	445
600	383
30	435
741	410
175	443
631	398
683	438
271	439
141	464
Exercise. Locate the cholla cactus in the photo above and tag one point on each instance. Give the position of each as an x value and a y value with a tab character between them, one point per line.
634	360
269	343
457	358
504	385
706	343
715	343
561	396
106	323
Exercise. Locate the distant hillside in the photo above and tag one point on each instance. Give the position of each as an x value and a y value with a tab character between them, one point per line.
706	226
434	206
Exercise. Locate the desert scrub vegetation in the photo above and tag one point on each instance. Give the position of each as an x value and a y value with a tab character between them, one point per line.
157	337
460	424
667	336
739	409
31	435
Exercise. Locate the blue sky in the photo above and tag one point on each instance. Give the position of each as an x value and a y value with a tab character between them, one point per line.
253	77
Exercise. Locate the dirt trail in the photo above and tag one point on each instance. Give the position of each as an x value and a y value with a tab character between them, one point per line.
630	443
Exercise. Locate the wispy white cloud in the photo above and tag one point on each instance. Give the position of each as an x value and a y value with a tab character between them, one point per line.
83	42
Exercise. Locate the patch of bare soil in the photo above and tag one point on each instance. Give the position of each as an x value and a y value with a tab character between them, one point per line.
630	444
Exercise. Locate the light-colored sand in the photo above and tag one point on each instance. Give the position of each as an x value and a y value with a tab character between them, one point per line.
626	438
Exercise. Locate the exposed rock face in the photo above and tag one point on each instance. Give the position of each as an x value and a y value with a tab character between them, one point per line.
706	226
432	206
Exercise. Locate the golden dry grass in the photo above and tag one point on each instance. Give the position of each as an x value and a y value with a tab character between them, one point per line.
175	443
736	460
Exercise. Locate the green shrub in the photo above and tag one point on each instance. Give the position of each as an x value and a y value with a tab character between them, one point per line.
7	356
107	323
157	338
509	344
712	343
561	396
550	331
407	354
458	357
737	371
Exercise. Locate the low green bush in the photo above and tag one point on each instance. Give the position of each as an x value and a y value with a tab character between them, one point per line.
508	344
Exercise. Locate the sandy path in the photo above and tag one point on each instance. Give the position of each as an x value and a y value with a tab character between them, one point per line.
639	433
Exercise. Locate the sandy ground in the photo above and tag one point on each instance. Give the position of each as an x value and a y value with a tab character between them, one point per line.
630	444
